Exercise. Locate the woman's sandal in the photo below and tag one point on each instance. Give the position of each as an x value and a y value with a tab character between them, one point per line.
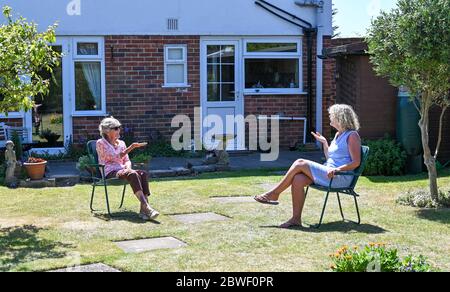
290	224
264	200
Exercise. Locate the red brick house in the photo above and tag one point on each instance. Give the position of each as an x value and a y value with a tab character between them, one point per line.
145	62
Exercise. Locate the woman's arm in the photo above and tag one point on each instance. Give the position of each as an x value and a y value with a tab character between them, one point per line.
322	140
354	147
132	147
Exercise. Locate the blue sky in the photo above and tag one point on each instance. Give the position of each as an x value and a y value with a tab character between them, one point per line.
354	16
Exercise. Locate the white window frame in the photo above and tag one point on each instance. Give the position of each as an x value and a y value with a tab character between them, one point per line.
100	58
167	62
274	55
99	41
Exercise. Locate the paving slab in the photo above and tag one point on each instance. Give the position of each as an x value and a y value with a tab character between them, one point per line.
94	268
199	218
181	170
37	184
204	168
143	245
229	200
162	173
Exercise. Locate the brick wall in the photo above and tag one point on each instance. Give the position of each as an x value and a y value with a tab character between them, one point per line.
134	76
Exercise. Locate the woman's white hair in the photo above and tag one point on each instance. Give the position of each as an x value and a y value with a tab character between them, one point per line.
107	125
345	116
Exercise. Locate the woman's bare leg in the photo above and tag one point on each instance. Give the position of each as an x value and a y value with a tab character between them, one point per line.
299	167
298	200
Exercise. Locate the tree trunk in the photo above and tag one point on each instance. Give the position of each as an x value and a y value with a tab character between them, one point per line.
429	160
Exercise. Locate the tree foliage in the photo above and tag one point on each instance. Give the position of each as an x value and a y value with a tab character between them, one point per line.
24	53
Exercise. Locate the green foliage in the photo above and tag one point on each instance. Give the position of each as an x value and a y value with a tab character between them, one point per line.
50	136
56	119
162	148
387	158
24	53
18	145
84	162
409	45
417	264
375	257
421	198
141	158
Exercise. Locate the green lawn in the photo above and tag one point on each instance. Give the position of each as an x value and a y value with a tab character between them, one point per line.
45	229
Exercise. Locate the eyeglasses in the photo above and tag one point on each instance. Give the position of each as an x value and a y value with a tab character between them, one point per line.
115	128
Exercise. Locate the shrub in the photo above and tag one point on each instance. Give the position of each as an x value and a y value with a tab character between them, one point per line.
421	198
56	119
162	148
85	162
386	158
141	158
375	257
18	145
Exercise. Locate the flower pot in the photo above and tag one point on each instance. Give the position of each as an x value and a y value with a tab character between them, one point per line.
35	171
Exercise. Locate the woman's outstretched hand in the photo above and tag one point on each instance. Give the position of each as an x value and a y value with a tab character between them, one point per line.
138	145
132	147
320	138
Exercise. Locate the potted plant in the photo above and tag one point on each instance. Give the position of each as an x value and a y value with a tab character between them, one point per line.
50	136
85	162
35	168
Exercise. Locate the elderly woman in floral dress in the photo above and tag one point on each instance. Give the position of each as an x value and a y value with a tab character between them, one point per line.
113	153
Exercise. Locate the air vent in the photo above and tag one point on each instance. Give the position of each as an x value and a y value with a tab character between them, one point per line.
172	24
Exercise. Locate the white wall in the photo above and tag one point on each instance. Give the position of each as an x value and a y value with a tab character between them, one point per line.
148	17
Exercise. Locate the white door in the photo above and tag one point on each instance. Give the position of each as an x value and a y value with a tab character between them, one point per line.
51	120
221	94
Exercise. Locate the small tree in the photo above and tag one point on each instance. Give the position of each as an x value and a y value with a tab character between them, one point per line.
24	53
411	46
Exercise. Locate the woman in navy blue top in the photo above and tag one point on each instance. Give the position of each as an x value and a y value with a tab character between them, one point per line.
343	154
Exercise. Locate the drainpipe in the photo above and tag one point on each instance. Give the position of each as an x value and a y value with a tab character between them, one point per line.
319	6
309	45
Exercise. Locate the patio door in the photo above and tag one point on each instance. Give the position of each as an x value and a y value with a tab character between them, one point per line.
221	94
51	121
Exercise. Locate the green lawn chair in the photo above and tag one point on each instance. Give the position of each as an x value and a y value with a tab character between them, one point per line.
347	191
98	178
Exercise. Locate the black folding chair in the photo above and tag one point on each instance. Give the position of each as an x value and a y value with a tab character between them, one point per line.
346	191
99	179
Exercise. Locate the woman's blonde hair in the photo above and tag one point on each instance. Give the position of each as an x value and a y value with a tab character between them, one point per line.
107	125
345	116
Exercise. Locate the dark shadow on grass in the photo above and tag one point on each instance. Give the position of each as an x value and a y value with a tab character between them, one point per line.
438	215
406	178
21	244
338	226
128	216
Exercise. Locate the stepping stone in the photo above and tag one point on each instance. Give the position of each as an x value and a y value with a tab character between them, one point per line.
199	218
138	246
95	268
228	200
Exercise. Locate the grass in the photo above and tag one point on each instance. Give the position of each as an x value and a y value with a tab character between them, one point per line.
48	228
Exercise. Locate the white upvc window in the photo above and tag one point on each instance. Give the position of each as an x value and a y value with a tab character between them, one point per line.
175	66
88	83
273	66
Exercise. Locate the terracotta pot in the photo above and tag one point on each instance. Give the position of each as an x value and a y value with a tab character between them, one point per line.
35	171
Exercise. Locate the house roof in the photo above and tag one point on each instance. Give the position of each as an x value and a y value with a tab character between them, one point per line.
356	48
